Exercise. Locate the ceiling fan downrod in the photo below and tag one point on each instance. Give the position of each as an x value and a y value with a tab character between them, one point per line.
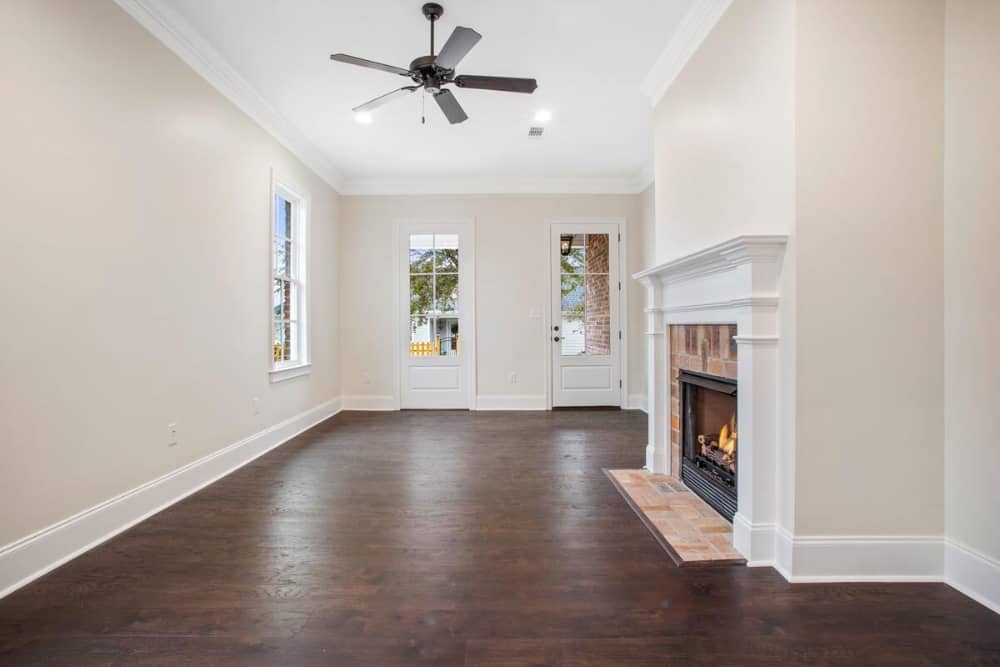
433	11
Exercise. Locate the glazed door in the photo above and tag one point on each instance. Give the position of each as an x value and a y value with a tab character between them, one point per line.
585	335
436	300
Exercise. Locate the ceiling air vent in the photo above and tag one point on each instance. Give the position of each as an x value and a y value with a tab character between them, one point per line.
535	131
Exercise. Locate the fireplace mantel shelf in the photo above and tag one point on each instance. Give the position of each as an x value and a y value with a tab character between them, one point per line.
720	257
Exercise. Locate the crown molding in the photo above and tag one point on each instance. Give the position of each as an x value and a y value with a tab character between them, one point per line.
692	31
179	36
450	185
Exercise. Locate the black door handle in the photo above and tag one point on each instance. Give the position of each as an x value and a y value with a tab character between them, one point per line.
556	339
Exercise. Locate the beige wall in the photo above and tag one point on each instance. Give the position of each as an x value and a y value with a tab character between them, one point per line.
135	259
724	134
869	154
972	272
511	279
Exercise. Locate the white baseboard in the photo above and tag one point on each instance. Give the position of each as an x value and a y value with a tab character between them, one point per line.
636	402
372	403
972	573
840	558
511	402
754	540
30	557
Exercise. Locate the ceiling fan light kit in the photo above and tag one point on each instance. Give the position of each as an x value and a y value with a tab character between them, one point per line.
434	72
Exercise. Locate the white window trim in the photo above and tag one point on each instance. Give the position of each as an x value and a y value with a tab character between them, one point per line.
286	370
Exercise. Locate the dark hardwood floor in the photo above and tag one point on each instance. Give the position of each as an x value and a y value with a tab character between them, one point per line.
451	538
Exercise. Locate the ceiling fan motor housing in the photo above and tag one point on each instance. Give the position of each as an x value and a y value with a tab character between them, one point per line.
424	71
433	11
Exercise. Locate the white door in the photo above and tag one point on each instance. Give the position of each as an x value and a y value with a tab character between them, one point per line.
585	335
436	311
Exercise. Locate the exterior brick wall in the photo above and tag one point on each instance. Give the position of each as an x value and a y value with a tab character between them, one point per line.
703	348
597	315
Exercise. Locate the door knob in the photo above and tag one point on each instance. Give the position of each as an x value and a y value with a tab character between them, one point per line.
556	338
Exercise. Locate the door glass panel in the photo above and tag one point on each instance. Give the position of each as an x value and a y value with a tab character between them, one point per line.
572	294
434	292
585	295
597	253
422	253
447	336
573	262
422	336
571	335
446	290
446	253
421	294
434	337
597	319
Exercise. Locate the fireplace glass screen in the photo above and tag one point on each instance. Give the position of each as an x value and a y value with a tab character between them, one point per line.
710	436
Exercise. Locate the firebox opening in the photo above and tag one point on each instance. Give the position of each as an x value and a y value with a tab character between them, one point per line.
709	439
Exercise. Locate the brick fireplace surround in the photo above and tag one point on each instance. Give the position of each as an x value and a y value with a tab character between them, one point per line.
729	291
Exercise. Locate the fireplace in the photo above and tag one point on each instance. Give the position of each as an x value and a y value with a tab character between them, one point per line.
731	288
709	438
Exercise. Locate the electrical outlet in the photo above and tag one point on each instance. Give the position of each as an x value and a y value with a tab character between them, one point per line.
366	379
256	406
513	378
171	435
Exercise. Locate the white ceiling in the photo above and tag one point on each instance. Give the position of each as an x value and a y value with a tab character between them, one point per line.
589	56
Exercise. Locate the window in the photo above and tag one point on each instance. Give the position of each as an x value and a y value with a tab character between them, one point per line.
434	295
289	334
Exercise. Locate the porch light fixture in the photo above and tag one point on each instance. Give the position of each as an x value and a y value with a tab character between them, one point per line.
565	244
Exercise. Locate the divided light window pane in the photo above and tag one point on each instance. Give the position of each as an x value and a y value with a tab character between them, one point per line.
282	217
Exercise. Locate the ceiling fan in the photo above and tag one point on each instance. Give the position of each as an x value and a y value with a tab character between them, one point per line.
434	72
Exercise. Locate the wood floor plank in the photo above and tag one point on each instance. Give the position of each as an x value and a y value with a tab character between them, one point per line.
454	538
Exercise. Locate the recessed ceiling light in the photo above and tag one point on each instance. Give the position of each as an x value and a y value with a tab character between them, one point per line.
543	116
363	117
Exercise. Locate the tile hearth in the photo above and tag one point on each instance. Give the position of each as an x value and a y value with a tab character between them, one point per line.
690	531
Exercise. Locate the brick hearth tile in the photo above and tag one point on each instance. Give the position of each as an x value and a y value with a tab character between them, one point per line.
694	530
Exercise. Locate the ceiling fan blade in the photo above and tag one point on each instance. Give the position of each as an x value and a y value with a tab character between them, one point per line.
354	60
384	99
452	110
458	45
504	83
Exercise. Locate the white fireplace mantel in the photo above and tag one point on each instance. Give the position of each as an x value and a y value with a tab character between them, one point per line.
734	282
